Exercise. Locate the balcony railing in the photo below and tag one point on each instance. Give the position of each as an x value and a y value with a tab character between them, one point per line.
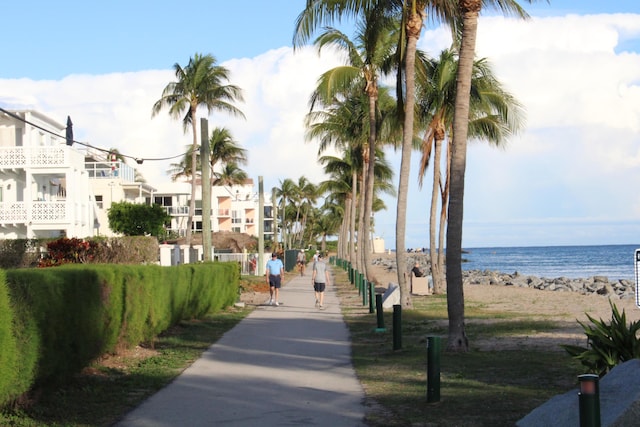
177	210
39	157
38	212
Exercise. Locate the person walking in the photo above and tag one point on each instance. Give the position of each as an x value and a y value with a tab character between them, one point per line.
301	261
320	280
274	273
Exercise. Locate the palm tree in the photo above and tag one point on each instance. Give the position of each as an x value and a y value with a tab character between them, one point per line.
225	150
495	115
468	11
229	175
415	11
199	84
286	192
372	48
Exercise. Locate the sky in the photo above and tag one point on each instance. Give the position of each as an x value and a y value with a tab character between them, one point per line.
567	179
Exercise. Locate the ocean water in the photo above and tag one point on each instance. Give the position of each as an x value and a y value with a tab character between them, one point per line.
612	261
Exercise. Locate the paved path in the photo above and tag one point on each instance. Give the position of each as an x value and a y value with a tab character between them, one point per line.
280	366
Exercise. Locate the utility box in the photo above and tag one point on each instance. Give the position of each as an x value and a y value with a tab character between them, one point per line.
290	258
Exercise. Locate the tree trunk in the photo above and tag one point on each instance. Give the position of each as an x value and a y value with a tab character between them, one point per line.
352	220
458	340
414	26
436	267
443	219
370	178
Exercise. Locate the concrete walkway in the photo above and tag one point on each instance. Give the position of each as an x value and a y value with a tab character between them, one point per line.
280	366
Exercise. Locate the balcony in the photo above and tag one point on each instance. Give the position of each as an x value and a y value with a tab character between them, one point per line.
224	213
177	210
38	212
110	170
39	157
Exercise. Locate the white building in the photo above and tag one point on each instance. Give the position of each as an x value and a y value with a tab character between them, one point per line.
49	189
233	208
44	187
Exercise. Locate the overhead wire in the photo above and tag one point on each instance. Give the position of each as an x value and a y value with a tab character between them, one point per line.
138	160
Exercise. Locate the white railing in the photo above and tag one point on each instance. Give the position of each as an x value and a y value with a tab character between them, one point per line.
40	212
36	157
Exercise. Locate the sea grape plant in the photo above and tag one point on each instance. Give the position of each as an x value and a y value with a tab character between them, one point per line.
607	344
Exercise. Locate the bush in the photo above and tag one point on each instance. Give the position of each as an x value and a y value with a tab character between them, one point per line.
607	344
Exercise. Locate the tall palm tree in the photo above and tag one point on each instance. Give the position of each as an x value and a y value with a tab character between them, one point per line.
286	193
494	116
415	12
230	174
372	48
468	11
200	84
225	150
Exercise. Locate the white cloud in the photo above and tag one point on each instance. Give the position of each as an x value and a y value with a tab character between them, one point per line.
577	76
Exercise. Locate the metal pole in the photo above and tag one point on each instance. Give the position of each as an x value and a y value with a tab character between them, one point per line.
397	327
433	369
372	291
379	314
364	290
589	400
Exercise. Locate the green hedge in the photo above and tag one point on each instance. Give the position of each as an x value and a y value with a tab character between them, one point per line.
55	321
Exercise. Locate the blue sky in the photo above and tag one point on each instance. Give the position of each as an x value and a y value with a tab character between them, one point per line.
567	179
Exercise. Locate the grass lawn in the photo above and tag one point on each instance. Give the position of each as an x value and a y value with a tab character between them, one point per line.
477	388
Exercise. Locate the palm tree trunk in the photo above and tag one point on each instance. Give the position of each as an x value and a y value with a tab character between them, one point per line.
436	268
361	236
369	183
352	220
458	340
414	26
444	194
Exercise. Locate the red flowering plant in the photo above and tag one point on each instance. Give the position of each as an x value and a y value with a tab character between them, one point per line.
68	251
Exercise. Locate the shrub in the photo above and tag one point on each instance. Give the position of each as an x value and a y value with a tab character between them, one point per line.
607	344
67	251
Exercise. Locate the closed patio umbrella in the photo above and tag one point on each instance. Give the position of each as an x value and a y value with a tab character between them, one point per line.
69	133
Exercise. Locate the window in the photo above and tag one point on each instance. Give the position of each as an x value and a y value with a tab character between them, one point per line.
235	217
99	202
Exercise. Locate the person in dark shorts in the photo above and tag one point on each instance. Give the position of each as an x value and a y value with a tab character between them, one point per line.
274	273
320	280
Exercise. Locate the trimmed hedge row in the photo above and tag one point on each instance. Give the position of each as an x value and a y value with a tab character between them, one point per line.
55	321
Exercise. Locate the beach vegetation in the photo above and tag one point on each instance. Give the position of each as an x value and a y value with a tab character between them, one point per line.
608	344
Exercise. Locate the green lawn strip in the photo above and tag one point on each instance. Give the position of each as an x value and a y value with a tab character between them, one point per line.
478	388
99	396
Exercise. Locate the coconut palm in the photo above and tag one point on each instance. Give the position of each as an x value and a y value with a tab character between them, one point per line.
225	150
200	84
495	115
468	11
229	175
372	48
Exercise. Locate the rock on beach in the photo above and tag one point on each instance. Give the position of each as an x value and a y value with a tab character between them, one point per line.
595	285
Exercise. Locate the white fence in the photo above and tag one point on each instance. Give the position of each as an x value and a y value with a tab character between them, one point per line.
183	254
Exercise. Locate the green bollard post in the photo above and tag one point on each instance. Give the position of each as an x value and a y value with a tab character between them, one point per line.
589	400
372	291
433	369
359	283
365	289
379	314
397	327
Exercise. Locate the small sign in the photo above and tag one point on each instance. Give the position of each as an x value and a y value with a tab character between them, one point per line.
637	271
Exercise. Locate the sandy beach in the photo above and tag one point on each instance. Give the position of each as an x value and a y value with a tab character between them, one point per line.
562	307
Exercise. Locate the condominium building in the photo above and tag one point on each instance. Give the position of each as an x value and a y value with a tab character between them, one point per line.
50	189
44	187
